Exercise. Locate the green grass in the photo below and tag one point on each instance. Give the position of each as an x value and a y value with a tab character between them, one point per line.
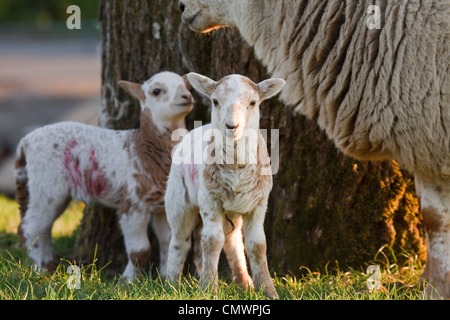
19	281
63	231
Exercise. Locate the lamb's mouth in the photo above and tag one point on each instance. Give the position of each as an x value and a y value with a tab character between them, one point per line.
190	20
232	135
185	105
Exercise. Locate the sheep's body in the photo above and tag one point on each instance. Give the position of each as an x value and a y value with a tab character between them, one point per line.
378	93
229	192
125	170
183	205
240	181
74	151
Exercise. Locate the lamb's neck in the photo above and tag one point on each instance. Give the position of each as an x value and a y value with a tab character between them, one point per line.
237	154
151	132
153	145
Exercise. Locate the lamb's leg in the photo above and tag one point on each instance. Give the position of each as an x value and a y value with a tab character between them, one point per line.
255	242
435	207
181	220
162	231
197	245
234	250
212	243
134	228
36	229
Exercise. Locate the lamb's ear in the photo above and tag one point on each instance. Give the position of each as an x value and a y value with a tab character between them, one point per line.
202	84
134	89
187	83
268	88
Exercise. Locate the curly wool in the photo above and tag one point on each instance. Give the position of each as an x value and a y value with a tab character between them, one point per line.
380	93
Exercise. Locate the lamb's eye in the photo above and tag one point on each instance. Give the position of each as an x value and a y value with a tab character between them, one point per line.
253	103
216	103
156	92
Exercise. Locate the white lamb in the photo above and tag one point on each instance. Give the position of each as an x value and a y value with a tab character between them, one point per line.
222	171
126	170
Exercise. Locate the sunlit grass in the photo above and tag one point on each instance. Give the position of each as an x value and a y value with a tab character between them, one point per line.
9	215
62	232
19	280
22	282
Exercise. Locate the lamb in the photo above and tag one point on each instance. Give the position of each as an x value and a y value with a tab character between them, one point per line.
228	186
126	170
380	94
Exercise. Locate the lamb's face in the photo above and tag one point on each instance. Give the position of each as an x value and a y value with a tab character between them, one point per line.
235	107
206	15
235	102
167	97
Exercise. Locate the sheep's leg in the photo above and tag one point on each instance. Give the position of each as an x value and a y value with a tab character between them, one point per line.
181	220
162	231
435	207
212	243
197	246
36	229
134	228
255	242
234	250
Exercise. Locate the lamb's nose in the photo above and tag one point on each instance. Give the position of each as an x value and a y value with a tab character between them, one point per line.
182	6
232	127
187	98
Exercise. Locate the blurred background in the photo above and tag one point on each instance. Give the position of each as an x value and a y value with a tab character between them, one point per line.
48	73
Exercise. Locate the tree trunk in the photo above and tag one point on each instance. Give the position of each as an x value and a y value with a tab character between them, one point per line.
324	207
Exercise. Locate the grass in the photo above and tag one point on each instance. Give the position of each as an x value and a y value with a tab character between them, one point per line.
19	280
63	231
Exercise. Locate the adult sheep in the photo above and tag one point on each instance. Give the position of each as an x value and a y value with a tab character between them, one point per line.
379	93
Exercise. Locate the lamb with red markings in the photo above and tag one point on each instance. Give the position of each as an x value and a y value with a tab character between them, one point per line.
126	170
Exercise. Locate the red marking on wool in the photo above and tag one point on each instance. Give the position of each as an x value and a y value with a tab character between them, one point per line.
96	182
93	160
189	172
72	165
73	143
193	172
191	168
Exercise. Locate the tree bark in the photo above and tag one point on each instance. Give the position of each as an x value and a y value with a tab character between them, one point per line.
324	207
